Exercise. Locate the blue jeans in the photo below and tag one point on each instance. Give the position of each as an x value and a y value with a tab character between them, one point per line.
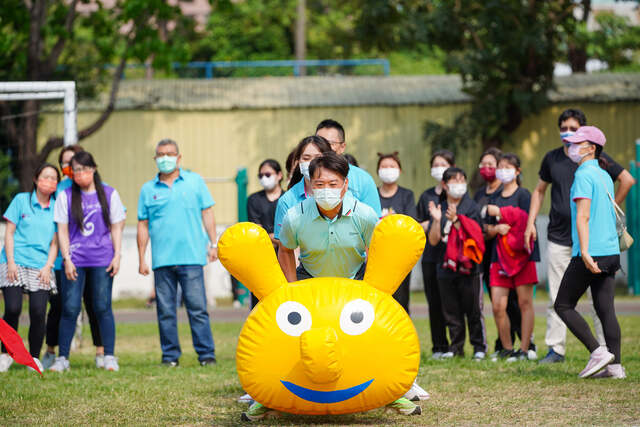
191	279
71	291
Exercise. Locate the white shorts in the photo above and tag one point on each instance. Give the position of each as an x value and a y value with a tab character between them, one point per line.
27	279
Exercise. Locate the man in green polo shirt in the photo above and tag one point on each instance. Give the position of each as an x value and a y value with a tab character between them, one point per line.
332	228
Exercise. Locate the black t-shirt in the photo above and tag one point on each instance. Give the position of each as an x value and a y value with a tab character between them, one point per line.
422	212
558	170
520	198
261	210
400	203
482	198
471	210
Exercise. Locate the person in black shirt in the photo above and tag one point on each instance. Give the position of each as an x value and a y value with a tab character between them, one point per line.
522	282
261	206
395	200
558	170
460	292
441	160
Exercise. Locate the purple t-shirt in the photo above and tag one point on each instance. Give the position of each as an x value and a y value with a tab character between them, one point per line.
91	247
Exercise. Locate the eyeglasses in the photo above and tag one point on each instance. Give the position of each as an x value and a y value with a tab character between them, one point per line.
266	175
566	128
82	169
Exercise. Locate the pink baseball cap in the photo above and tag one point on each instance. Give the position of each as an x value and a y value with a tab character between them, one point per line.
587	133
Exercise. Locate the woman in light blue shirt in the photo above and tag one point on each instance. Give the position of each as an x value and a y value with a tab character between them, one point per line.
30	249
595	254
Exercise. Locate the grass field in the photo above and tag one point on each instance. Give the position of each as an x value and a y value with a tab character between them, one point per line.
462	391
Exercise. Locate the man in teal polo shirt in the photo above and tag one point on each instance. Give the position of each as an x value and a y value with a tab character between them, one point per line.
332	229
172	210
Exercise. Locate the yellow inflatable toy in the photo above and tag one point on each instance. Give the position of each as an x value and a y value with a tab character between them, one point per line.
326	345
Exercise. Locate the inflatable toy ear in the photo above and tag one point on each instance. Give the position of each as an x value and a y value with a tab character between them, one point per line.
246	251
396	246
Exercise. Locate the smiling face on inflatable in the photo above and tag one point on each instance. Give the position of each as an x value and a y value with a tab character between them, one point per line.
326	345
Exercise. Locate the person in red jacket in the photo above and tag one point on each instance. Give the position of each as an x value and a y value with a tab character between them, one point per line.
457	217
513	264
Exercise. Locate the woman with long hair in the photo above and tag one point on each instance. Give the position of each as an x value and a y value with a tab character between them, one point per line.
89	217
26	261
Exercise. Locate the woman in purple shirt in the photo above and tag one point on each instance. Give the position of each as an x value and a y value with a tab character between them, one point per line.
89	217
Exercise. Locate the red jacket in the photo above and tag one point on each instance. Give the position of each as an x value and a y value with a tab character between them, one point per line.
513	255
464	246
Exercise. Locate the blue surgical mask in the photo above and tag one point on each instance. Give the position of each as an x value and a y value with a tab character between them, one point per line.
564	135
167	164
328	198
304	169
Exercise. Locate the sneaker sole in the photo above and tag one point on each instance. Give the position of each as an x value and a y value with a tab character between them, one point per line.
270	414
597	367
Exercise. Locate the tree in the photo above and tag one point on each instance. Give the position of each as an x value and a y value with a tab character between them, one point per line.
72	40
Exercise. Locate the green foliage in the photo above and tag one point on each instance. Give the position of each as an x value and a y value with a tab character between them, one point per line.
615	42
8	184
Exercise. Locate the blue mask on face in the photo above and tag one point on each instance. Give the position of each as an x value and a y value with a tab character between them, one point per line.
167	164
564	135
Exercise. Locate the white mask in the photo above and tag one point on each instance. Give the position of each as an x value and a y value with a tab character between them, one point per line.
457	190
437	172
304	169
388	175
506	175
268	182
327	198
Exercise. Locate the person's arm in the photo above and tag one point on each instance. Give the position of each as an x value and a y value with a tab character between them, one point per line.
534	209
63	240
626	181
12	268
287	260
116	238
583	208
45	273
209	220
143	240
436	217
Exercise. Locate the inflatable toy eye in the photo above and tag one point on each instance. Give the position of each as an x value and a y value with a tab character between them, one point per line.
356	317
293	318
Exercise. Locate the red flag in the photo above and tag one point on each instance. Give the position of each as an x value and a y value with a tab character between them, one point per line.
15	347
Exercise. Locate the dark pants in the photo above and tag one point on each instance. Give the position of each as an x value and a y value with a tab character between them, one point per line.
302	273
191	279
55	312
436	317
402	293
37	313
461	298
101	284
577	278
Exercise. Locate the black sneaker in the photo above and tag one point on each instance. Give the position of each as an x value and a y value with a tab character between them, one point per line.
501	355
517	356
208	362
170	363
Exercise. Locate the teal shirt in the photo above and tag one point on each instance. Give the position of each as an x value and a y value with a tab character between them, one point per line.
330	248
62	185
34	230
592	182
361	185
175	219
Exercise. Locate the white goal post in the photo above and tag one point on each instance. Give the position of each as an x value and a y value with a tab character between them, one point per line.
21	91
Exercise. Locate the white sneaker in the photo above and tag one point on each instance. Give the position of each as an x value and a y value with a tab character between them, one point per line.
237	304
61	364
111	363
447	355
48	360
479	356
437	355
612	371
600	357
100	361
5	362
245	398
532	355
35	359
416	393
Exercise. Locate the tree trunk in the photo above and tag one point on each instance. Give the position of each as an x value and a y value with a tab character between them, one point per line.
577	58
27	145
301	39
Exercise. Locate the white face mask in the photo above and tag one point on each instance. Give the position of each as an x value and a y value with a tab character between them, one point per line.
268	182
437	172
304	169
328	198
457	190
506	175
389	175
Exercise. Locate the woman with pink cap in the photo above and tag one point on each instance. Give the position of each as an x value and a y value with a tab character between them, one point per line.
595	254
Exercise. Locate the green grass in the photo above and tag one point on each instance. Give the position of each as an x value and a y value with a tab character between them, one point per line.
462	391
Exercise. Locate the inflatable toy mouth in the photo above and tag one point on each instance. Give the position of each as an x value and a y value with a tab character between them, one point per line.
326	396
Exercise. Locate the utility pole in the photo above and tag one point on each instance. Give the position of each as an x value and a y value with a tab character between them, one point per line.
301	39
